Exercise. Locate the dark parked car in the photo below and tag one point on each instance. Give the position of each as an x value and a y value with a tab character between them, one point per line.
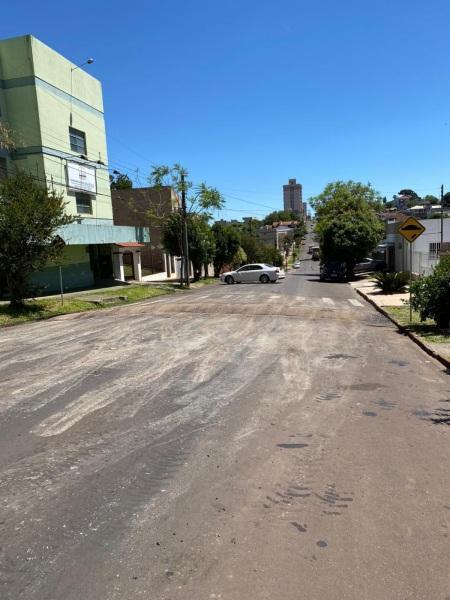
333	271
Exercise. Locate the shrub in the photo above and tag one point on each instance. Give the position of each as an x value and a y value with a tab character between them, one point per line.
430	295
389	283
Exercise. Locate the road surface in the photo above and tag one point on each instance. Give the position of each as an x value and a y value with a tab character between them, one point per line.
237	442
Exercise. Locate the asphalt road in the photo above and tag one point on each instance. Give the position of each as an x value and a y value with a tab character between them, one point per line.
238	442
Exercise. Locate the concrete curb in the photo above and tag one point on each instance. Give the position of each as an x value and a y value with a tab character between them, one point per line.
444	361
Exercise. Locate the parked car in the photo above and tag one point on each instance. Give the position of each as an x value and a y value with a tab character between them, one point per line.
315	252
333	271
296	265
369	265
252	274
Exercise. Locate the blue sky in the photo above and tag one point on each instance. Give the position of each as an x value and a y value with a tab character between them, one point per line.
248	93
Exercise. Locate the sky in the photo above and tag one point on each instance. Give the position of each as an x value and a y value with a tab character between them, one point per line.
246	94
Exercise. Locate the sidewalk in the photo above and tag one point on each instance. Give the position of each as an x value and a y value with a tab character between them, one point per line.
367	289
419	333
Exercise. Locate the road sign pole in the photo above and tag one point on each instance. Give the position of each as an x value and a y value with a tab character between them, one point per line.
410	278
410	230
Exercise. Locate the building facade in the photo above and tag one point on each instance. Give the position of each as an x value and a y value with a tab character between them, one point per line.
136	205
292	197
55	110
276	234
426	248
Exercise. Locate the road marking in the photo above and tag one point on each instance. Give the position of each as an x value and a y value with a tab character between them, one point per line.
202	297
354	302
328	301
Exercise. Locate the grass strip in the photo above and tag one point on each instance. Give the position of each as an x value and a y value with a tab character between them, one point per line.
36	310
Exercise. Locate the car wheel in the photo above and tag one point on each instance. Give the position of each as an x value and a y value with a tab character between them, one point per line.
264	278
229	279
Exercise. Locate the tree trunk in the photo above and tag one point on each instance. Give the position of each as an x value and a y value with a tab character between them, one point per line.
16	285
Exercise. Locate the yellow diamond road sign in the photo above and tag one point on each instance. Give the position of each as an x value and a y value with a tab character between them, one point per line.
411	229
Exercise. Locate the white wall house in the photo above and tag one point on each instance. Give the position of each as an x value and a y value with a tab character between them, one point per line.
425	250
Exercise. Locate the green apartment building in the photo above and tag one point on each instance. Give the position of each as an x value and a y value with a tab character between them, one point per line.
55	110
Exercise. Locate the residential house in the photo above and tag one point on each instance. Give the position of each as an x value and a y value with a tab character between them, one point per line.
276	233
145	206
55	110
425	250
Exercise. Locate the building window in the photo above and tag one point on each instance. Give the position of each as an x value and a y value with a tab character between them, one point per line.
3	168
84	203
435	248
77	141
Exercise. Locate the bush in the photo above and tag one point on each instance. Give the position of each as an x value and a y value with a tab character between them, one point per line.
389	283
430	296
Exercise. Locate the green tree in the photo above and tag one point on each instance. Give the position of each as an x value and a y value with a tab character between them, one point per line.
227	241
200	200
430	199
271	256
446	200
280	215
30	216
408	192
252	247
200	240
202	245
347	224
120	181
430	295
239	258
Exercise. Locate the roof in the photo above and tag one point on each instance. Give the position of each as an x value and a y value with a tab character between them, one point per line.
130	244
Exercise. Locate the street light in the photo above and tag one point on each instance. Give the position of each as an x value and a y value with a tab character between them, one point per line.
89	61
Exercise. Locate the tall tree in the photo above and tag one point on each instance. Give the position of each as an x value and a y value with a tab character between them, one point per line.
347	223
30	216
228	241
202	245
200	200
200	240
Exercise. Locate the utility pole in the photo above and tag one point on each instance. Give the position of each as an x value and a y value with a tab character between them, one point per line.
442	218
185	243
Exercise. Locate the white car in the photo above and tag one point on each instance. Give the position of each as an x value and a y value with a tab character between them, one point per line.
252	274
296	265
280	270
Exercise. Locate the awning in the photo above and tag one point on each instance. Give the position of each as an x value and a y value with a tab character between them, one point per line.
130	244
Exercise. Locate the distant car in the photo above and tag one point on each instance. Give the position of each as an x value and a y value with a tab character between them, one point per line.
315	252
369	265
333	271
310	249
296	265
251	274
